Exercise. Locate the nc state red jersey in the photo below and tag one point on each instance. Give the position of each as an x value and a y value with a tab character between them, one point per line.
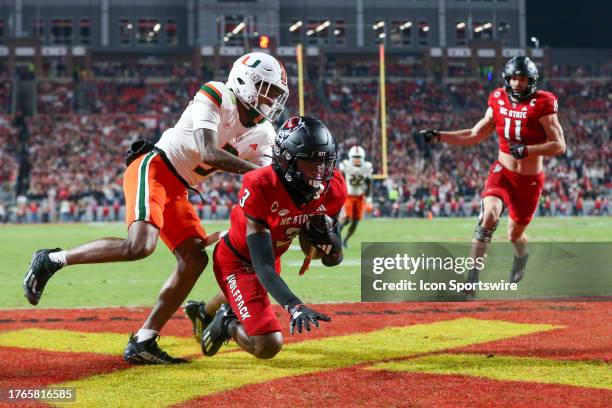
263	198
520	122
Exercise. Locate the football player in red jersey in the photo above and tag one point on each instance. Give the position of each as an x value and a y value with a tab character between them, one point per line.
528	129
275	202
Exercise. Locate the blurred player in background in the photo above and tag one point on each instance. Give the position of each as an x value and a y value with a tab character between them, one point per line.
528	129
358	175
275	203
223	128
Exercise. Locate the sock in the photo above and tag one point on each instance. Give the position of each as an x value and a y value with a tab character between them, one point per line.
207	318
59	256
520	249
145	334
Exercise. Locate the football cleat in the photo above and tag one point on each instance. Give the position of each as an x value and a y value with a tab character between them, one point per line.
148	352
41	270
518	268
217	331
199	318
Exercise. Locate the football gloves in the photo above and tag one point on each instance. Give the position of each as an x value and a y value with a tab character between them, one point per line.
430	135
319	227
301	316
518	150
322	233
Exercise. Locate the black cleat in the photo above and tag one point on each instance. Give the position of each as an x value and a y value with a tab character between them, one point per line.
41	270
518	268
198	316
472	277
148	352
217	331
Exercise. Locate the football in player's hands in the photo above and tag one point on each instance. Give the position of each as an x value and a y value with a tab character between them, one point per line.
308	246
315	231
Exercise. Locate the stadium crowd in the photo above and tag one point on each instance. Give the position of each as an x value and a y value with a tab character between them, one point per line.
76	160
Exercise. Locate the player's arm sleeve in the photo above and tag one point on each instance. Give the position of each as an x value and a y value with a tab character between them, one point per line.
551	106
259	242
206	109
491	99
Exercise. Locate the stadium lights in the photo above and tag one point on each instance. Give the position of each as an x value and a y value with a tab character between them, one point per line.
461	25
486	26
157	27
239	27
295	26
336	32
478	29
406	25
382	35
129	26
310	32
225	39
425	29
322	26
536	42
378	25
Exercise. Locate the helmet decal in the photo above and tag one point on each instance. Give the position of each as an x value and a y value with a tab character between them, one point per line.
252	65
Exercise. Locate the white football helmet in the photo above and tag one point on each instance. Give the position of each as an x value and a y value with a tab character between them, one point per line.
256	75
357	155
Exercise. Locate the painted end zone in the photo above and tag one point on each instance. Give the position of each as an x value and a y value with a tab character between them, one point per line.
424	354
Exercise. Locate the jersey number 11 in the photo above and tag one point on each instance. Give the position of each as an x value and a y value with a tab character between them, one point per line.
517	129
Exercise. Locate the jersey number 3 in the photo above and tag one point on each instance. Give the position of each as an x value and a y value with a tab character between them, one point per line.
508	125
244	197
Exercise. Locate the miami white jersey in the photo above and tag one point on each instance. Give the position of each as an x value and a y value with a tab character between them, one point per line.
356	176
214	107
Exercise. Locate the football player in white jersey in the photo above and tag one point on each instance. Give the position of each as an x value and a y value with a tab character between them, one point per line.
225	127
358	175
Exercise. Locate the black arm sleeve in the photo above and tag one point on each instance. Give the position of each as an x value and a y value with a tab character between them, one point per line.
262	256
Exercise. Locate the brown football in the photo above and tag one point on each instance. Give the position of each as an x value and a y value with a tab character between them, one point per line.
307	247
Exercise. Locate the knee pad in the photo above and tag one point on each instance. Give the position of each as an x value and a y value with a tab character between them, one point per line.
483	234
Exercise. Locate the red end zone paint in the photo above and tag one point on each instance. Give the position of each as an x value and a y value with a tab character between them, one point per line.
23	367
357	387
587	335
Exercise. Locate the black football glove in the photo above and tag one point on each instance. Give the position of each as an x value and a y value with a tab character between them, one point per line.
322	233
518	150
430	135
301	316
319	226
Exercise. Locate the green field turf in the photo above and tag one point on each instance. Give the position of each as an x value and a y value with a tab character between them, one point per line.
138	283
